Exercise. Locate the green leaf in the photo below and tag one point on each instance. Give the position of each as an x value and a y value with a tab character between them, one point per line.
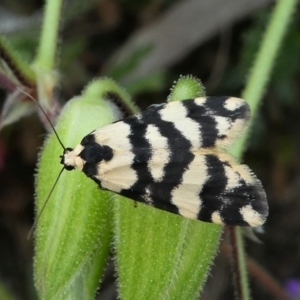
160	255
73	234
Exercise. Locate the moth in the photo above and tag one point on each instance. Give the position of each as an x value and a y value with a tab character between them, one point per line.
173	157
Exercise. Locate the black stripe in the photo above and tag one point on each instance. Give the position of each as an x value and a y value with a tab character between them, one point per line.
215	197
215	106
241	196
88	139
259	199
179	159
207	124
167	206
93	153
211	193
141	149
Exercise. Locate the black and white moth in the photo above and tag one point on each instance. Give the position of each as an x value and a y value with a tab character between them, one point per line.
173	157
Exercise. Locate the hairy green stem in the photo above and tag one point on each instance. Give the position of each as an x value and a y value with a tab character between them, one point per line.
265	61
17	65
49	37
242	268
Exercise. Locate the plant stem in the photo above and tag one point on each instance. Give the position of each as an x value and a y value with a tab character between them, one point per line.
17	65
49	37
243	274
265	60
238	263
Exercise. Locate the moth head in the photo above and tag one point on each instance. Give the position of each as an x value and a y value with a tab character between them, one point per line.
71	159
64	159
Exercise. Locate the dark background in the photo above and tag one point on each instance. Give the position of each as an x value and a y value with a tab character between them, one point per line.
94	36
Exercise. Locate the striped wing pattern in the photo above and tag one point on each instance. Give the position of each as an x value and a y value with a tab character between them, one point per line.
173	157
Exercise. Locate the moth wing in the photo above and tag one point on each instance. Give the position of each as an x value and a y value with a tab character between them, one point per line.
191	124
231	193
205	121
169	157
116	174
212	188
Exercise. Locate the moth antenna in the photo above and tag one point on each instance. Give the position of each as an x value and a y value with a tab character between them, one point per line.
43	207
28	95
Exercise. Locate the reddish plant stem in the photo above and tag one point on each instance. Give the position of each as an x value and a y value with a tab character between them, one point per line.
238	294
264	278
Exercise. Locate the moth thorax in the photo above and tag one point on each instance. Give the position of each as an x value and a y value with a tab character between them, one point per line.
71	159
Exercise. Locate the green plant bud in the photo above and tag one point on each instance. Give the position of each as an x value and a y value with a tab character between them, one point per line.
186	87
73	234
